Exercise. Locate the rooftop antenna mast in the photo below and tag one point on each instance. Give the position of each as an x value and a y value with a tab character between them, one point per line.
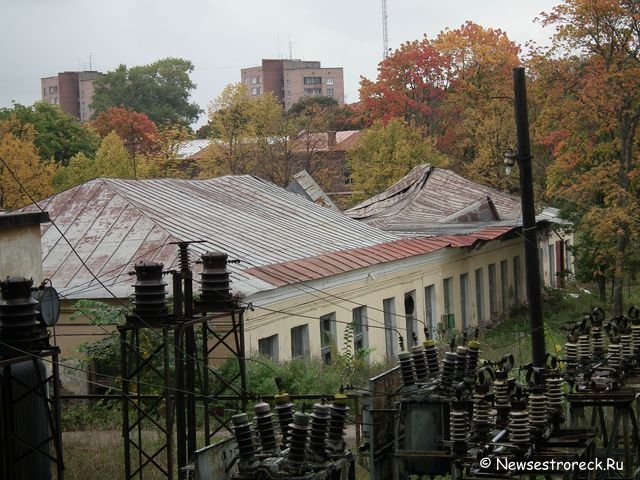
385	31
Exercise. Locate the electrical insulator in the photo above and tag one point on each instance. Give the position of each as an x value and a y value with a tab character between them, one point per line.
571	351
264	424
627	344
635	338
614	357
215	285
19	325
459	427
419	363
406	369
319	426
519	430
150	296
298	439
448	369
461	363
482	419
502	402
537	410
431	356
339	409
472	358
554	388
244	438
584	349
284	410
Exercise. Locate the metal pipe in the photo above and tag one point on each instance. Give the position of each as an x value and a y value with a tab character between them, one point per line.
534	294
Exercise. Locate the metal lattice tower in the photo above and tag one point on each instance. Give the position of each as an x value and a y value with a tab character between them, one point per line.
385	31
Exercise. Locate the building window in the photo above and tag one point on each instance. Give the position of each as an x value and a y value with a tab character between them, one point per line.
493	297
255	80
255	90
300	341
504	285
269	347
552	265
464	301
330	81
517	280
360	329
479	296
312	80
430	307
327	336
312	91
53	89
448	318
541	265
329	92
389	309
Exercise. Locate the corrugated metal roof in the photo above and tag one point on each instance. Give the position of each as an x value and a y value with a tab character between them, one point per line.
345	141
115	223
191	148
304	184
333	263
436	201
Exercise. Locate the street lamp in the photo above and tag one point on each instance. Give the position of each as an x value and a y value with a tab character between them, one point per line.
523	158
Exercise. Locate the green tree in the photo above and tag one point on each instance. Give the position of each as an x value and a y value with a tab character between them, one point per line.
112	158
80	169
59	136
160	90
386	153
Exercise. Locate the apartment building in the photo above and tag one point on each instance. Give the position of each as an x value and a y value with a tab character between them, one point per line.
73	91
291	80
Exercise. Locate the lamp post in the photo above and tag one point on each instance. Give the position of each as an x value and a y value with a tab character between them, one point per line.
532	266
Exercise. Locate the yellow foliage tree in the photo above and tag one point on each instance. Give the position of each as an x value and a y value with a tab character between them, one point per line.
20	159
112	158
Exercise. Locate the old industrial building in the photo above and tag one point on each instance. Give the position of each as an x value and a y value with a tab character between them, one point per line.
435	249
291	80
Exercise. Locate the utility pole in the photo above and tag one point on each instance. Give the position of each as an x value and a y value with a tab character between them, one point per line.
532	266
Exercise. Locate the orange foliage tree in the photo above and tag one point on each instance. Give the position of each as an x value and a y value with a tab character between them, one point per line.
135	129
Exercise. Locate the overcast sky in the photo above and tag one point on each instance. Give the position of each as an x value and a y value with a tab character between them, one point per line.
40	38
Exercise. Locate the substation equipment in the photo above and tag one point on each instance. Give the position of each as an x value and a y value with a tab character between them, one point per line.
441	416
30	434
171	387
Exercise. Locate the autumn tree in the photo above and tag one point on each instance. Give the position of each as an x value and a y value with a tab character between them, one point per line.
160	90
112	158
79	170
411	84
592	120
19	157
165	160
135	129
58	135
386	153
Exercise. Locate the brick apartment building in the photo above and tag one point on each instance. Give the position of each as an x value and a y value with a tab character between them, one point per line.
73	91
290	80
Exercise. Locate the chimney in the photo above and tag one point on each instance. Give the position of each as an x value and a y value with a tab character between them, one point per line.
331	139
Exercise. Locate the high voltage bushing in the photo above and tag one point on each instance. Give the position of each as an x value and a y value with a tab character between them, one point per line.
284	410
597	342
431	357
584	349
298	439
419	363
502	402
19	325
448	369
150	296
627	343
335	437
461	363
614	356
319	427
571	350
406	369
244	437
264	425
537	410
634	315
459	427
473	353
215	284
519	430
481	421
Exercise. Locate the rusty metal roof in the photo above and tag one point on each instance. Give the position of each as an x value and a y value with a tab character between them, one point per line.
115	223
304	184
436	201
